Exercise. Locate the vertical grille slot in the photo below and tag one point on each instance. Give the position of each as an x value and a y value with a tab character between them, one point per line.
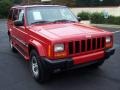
83	46
70	46
98	43
88	44
77	46
94	44
103	42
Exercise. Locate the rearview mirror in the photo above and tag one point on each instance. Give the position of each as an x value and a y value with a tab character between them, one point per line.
18	23
79	19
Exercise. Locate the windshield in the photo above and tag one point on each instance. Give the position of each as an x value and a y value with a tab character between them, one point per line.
49	14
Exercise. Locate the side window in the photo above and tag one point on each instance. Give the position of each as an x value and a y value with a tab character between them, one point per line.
15	14
10	14
21	15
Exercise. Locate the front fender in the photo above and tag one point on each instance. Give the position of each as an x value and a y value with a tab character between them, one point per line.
38	46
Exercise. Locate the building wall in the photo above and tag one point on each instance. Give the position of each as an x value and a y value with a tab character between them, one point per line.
115	11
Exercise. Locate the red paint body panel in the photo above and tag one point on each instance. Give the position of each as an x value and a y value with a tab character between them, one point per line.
38	47
66	30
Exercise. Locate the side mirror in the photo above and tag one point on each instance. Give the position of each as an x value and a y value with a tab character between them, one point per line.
79	19
18	23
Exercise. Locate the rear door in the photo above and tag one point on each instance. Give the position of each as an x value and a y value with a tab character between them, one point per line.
10	21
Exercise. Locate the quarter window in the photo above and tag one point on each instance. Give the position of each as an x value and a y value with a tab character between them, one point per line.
10	14
15	14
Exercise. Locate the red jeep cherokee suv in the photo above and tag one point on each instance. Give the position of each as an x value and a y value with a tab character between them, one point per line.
52	39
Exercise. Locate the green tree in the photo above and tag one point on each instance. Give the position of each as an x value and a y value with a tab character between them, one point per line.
30	1
4	7
17	1
64	2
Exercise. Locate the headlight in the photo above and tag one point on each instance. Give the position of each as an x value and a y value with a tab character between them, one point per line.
59	47
108	39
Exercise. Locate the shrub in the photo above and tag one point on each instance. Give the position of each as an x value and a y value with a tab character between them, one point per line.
117	20
84	15
97	18
112	20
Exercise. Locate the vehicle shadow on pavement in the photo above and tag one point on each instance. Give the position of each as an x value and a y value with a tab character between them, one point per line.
74	75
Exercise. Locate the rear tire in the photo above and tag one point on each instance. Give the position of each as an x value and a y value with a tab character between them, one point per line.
38	68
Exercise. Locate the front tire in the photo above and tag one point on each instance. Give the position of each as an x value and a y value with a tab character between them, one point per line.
38	68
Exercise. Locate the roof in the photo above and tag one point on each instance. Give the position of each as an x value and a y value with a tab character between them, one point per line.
27	6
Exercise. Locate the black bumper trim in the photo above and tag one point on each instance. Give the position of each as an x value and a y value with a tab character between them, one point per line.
67	63
58	64
109	52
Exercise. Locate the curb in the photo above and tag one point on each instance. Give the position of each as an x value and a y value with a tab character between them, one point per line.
107	25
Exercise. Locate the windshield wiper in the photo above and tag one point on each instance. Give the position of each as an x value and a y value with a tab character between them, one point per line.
40	22
63	20
46	22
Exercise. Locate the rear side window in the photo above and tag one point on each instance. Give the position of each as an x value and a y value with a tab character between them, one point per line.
10	14
15	14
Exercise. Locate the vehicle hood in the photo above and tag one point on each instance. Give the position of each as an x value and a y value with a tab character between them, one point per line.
69	30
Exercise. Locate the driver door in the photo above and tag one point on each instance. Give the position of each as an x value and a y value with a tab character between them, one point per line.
20	34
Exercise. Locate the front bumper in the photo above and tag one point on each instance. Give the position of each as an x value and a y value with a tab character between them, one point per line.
68	63
109	52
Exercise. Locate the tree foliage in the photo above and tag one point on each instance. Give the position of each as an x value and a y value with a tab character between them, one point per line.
6	4
31	1
16	1
64	2
91	3
4	7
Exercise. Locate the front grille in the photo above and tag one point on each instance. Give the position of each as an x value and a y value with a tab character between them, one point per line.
77	46
71	47
81	46
94	43
88	44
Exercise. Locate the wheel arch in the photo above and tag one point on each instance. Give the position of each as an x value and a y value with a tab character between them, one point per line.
8	33
36	46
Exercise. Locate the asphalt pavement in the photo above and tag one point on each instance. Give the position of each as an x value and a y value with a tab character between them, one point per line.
15	75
